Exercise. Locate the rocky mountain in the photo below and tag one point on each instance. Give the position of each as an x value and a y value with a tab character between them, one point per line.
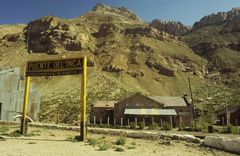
171	27
216	37
125	55
218	18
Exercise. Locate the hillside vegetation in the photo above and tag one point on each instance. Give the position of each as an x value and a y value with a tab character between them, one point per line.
125	55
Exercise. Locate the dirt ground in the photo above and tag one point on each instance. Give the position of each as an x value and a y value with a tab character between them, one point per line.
47	142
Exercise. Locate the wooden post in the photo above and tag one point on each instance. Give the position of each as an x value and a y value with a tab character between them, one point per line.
171	122
180	122
83	128
100	120
114	121
144	121
161	122
94	120
121	121
128	122
136	121
108	121
228	118
152	120
25	104
223	122
236	124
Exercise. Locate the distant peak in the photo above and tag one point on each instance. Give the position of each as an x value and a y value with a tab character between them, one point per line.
118	10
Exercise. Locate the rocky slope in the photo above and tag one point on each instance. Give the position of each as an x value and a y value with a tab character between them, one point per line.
216	37
125	55
171	27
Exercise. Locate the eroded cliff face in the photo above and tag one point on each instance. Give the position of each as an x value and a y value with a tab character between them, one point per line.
171	27
101	8
218	18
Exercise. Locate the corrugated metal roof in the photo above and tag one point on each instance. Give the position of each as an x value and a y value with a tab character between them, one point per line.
169	101
108	104
150	112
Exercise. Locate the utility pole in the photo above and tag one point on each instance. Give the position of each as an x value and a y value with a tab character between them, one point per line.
190	89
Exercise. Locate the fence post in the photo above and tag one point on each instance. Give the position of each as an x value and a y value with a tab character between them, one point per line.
121	121
144	122
100	120
114	121
136	121
94	120
152	120
171	122
161	122
128	121
108	121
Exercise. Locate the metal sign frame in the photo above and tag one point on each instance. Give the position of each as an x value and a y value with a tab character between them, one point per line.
55	68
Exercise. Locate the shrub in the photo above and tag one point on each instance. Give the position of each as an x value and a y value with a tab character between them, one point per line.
166	126
193	129
104	146
133	125
15	133
119	149
121	141
92	141
131	147
227	129
141	125
153	126
2	139
4	129
134	143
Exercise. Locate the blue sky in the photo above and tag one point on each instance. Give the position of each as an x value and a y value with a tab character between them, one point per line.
186	11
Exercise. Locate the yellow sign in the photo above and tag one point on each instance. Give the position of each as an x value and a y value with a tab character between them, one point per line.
55	67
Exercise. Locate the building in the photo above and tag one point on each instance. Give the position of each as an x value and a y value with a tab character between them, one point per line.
230	115
12	87
102	110
138	108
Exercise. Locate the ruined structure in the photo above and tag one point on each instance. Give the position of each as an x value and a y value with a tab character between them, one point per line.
12	95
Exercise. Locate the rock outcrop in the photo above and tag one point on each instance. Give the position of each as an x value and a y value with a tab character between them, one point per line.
171	27
226	144
219	18
50	35
118	10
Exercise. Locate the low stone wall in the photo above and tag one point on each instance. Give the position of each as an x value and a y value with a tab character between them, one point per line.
226	144
152	135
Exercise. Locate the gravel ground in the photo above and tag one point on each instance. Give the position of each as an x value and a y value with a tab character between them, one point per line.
47	142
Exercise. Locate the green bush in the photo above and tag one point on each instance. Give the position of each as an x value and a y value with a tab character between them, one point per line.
227	129
133	125
134	143
193	129
104	146
4	129
131	147
15	133
166	126
141	125
2	139
92	141
119	149
153	126
121	140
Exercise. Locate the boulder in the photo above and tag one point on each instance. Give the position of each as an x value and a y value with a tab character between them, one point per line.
227	144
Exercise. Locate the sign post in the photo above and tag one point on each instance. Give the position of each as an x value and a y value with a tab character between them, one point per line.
25	104
83	129
55	68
